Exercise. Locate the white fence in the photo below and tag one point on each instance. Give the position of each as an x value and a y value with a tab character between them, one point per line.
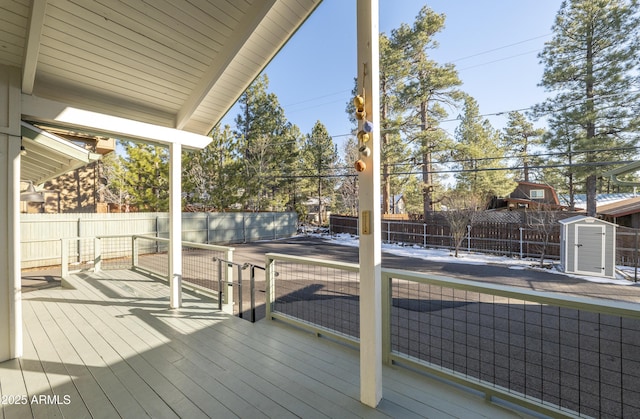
40	234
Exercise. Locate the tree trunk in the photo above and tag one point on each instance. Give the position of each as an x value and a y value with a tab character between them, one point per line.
386	179
427	176
591	195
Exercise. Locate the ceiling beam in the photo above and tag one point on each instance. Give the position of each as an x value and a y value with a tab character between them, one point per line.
32	45
222	61
65	116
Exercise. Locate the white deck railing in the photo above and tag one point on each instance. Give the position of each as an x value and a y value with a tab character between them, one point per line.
552	353
150	255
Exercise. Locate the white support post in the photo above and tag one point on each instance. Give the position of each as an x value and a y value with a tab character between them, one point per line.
10	277
369	207
175	225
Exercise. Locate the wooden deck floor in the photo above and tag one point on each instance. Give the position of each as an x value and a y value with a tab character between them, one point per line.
112	348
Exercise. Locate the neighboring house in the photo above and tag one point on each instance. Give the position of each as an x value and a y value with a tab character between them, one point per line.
580	200
529	195
314	209
620	208
79	190
397	204
625	212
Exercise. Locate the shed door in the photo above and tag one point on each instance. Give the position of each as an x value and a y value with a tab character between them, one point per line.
589	252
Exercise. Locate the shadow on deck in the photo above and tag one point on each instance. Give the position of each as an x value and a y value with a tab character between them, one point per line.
111	347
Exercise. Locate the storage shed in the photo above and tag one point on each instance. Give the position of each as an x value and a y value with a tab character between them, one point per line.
588	246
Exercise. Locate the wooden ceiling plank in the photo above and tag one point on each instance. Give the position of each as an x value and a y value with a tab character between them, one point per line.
136	39
164	71
94	80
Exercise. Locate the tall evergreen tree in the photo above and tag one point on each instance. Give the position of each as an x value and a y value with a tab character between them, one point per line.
146	170
480	156
426	90
267	145
591	65
348	182
213	175
320	157
393	149
519	139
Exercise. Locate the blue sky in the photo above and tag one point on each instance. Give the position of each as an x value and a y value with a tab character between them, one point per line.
493	44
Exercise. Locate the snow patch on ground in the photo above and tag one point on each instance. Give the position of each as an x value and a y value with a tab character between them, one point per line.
445	255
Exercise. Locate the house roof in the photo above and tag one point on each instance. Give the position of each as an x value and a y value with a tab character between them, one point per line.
620	208
601	199
165	70
550	188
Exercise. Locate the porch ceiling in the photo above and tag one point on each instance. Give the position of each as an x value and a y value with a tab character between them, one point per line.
176	64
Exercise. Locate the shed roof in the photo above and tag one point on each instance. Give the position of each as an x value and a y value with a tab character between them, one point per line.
579	218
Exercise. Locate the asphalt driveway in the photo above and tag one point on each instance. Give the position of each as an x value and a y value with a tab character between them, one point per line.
533	279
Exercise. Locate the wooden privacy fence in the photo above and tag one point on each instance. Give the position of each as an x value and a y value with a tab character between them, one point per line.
508	238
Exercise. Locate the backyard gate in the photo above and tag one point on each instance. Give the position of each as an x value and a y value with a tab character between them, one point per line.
588	246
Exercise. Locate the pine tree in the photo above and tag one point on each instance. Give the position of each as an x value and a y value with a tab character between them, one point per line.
320	158
480	157
146	170
519	139
348	182
592	67
267	145
212	176
426	91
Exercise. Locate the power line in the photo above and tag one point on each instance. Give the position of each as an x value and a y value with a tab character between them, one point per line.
502	47
476	170
500	59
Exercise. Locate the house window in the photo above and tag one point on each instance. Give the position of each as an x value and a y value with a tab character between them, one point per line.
536	193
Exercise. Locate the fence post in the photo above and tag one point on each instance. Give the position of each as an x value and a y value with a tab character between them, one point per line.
424	235
207	221
239	291
521	229
229	274
220	284
157	234
387	303
635	270
97	254
134	252
244	228
78	243
270	286
468	238
64	257
388	231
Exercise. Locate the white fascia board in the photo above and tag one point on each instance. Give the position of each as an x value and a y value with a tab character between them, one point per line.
60	114
57	144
